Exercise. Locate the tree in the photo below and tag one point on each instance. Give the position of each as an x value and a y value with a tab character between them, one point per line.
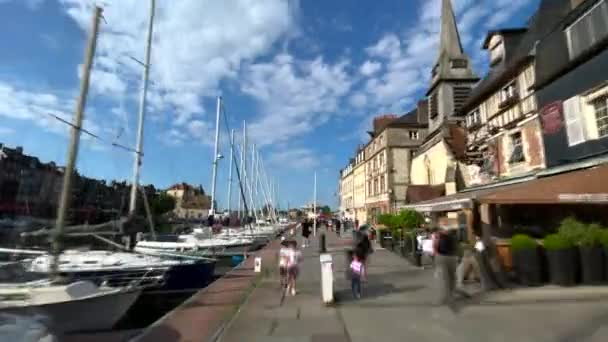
326	210
162	204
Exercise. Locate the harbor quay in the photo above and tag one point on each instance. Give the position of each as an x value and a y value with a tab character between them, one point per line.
397	304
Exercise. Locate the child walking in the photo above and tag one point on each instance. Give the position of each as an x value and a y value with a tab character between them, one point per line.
292	266
357	270
283	261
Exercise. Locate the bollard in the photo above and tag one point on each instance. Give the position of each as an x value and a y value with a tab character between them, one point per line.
322	246
327	279
257	268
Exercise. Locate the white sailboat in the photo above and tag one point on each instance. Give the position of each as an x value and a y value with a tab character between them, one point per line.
62	305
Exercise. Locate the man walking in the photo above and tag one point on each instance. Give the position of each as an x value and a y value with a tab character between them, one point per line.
445	265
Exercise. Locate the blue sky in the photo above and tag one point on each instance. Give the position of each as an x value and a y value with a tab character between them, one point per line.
308	76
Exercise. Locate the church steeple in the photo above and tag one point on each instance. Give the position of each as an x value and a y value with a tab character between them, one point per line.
452	63
450	38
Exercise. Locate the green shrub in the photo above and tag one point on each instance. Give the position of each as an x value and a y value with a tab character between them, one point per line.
572	229
592	236
554	242
522	242
603	236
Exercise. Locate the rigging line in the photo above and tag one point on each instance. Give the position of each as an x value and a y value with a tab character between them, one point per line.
238	173
93	135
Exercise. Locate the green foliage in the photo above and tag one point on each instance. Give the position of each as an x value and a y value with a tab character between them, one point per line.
603	237
592	236
572	229
326	210
162	204
405	220
522	242
555	242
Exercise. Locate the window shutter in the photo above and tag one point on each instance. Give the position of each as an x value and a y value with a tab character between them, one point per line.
575	125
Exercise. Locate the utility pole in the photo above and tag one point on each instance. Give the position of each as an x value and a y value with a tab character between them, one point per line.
230	169
142	112
216	155
314	206
64	200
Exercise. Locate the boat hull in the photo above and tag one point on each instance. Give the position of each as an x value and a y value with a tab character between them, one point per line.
93	313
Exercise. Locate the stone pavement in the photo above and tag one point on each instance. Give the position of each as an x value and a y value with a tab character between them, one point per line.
397	305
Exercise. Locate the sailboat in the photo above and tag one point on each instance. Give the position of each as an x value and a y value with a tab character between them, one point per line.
62	305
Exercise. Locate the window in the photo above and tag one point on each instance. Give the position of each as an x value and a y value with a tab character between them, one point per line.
473	118
517	149
369	188
459	63
588	30
376	186
460	96
382	185
381	159
600	106
508	92
433	104
414	135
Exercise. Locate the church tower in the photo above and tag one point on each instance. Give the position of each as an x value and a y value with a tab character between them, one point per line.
452	75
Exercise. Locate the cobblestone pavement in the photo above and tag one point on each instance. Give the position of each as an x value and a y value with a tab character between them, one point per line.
397	305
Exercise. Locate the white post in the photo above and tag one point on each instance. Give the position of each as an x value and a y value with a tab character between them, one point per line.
240	184
244	162
215	155
142	113
230	169
314	207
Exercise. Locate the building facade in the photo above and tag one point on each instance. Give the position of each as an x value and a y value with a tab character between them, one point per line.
347	192
434	169
190	202
359	180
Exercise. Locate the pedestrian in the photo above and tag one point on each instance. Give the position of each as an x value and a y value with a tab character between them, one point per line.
284	253
357	269
305	233
338	226
363	248
445	266
293	261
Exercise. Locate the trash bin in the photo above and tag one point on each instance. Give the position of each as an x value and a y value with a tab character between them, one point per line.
327	278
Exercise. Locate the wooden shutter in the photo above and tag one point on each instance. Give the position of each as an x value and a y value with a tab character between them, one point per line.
575	125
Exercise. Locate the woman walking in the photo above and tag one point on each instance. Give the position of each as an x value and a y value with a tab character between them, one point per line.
306	233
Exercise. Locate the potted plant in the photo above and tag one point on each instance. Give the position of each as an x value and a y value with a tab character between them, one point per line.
561	257
592	255
526	260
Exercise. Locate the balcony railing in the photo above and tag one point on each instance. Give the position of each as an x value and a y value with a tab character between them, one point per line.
509	101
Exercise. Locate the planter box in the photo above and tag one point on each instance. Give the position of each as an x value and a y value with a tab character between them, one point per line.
563	266
528	267
592	265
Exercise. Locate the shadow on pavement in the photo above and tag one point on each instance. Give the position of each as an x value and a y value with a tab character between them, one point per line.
371	291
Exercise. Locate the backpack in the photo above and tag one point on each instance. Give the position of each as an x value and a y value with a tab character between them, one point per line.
446	244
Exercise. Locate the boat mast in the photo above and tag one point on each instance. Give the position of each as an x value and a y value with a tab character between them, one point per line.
314	207
64	199
252	182
244	164
230	169
142	112
216	155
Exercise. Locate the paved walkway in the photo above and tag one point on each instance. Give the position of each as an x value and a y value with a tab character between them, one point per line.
397	305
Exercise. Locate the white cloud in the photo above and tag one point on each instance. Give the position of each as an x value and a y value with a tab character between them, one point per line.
297	158
358	100
369	68
294	96
196	45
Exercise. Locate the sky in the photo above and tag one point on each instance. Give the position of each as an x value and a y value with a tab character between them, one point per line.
307	76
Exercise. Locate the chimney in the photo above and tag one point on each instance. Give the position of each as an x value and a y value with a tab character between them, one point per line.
382	121
422	111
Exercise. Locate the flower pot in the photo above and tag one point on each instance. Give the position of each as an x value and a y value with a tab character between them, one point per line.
563	266
527	266
592	264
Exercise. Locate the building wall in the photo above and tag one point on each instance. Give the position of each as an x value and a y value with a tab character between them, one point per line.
432	164
359	184
579	81
347	195
399	175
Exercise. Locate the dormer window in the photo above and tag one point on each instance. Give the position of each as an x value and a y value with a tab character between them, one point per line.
588	30
508	94
459	63
414	135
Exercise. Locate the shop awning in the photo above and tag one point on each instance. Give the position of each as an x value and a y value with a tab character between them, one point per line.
461	200
582	186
